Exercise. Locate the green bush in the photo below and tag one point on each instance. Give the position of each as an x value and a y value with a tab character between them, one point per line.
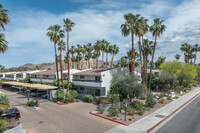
71	85
154	81
178	89
136	104
24	89
131	111
167	81
59	95
69	98
97	100
113	97
4	103
31	103
73	93
141	110
27	79
89	98
150	101
105	101
3	125
113	112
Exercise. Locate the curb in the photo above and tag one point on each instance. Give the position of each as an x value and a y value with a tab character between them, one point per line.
90	103
68	103
108	118
149	130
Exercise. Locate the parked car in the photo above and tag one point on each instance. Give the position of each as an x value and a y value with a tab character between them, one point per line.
13	112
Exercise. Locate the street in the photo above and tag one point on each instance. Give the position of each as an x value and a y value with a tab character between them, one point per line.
53	118
186	121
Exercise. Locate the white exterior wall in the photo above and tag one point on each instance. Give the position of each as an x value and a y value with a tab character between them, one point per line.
107	76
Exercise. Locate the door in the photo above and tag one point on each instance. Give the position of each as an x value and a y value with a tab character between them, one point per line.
97	92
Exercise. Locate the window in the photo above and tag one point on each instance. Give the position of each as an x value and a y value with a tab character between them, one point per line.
97	78
82	77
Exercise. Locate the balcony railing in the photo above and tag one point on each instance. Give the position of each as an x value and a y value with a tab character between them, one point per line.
87	80
42	78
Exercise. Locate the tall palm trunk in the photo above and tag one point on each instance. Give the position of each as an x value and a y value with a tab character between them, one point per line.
68	76
103	59
154	48
143	65
133	55
56	59
106	59
62	74
72	61
97	63
146	62
88	61
112	61
140	50
195	58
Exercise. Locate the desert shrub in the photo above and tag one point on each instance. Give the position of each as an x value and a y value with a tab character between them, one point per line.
73	93
4	103
136	104
154	81
141	110
24	89
31	103
89	98
101	110
127	87
131	111
113	97
97	100
105	101
150	101
167	81
3	125
69	98
113	112
59	95
178	89
27	79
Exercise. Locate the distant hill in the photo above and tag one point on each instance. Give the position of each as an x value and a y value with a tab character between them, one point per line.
52	65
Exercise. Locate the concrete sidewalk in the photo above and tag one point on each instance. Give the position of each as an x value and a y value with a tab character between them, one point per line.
142	125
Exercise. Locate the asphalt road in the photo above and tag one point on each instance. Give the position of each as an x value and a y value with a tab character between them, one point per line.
186	121
53	118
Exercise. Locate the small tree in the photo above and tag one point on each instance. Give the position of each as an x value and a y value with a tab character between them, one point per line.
27	79
4	103
167	81
127	87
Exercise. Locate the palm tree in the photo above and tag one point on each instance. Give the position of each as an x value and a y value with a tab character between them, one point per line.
103	49
157	30
195	49
97	48
3	44
61	47
4	18
130	27
107	50
83	51
95	55
65	61
148	48
68	24
186	48
79	57
177	56
55	34
115	50
89	49
142	28
72	52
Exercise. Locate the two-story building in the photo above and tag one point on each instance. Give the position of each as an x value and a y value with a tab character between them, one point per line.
96	81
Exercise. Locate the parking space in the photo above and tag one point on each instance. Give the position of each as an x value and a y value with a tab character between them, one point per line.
53	118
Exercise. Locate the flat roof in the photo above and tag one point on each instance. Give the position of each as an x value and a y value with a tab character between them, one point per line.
37	86
47	72
95	72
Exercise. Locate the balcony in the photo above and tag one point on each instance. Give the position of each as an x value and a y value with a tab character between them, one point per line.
90	83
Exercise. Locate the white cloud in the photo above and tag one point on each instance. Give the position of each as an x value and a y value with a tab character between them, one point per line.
27	31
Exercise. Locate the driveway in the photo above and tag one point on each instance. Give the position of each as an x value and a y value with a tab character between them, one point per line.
186	121
53	118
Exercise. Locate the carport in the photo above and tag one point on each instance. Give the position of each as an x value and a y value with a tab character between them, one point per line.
28	85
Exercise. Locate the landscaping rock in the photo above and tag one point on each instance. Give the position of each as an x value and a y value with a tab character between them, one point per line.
165	98
119	115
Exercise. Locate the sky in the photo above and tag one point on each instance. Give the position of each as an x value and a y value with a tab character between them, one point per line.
95	20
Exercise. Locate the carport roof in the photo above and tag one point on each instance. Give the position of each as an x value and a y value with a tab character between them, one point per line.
37	86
